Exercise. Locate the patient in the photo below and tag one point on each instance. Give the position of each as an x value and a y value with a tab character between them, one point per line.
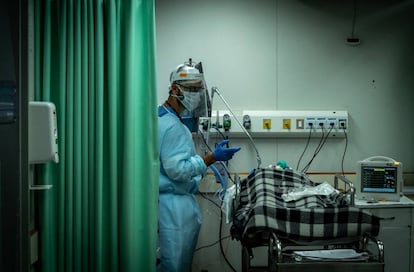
309	218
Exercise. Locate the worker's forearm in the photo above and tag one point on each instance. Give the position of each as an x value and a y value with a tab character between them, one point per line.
209	159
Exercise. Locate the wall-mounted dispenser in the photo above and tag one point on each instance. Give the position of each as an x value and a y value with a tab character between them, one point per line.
43	137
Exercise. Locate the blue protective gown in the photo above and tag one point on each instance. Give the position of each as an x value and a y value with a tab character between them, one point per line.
181	170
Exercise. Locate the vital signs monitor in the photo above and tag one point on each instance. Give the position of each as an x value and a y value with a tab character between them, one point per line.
379	178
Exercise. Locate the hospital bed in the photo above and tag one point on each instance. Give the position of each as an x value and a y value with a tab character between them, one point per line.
265	217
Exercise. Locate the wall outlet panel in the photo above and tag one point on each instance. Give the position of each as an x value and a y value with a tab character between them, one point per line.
296	124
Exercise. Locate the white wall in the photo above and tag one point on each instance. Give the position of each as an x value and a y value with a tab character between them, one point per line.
291	55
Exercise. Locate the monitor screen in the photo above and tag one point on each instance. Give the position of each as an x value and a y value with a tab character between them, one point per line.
376	179
379	178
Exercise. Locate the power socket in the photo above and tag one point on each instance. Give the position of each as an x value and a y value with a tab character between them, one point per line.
332	123
342	123
310	123
320	122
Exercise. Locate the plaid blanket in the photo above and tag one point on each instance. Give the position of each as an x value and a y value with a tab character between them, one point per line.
309	219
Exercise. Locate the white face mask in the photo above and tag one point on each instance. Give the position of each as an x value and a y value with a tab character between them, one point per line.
190	100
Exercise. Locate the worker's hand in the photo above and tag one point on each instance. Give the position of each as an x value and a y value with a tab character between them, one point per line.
222	153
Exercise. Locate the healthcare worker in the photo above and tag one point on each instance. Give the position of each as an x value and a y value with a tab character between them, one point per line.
181	170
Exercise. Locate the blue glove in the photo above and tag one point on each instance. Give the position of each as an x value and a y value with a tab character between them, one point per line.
222	153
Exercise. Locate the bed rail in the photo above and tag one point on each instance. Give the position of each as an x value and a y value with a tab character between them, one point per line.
348	184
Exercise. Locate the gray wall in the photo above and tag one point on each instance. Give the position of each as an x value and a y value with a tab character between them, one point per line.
292	55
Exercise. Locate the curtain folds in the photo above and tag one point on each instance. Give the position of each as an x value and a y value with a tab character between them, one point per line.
95	60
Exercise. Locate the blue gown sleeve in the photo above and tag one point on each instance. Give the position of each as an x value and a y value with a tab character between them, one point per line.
178	157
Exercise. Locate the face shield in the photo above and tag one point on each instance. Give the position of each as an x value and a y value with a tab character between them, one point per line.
193	98
194	95
189	79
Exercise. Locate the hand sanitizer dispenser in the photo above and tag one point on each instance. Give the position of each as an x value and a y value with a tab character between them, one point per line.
43	137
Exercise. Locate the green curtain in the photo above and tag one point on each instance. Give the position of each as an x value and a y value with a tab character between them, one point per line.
95	59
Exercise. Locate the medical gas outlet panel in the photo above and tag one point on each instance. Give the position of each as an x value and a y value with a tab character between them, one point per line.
279	123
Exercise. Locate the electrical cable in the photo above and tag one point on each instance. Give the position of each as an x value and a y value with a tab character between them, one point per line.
212	244
221	133
318	148
209	199
306	147
354	19
305	169
220	234
343	155
221	243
